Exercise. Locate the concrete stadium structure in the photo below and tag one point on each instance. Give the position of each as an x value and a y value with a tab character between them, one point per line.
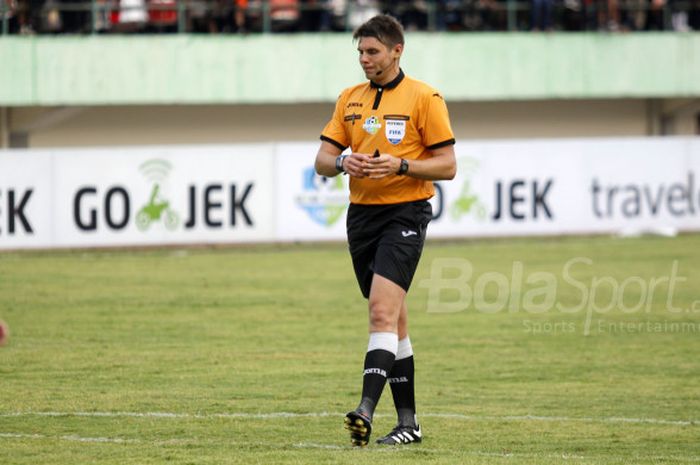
141	90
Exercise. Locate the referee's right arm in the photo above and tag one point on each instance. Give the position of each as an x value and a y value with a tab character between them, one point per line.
325	159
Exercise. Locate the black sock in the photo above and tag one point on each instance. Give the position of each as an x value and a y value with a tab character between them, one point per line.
402	390
378	364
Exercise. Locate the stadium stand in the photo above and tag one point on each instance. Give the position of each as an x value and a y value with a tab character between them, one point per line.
287	16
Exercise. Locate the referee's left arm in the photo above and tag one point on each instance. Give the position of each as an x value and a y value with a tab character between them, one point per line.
442	166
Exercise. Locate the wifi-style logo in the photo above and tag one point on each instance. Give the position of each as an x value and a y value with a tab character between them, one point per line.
156	170
158	208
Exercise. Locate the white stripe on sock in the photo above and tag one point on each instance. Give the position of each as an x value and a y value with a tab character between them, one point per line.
384	341
404	349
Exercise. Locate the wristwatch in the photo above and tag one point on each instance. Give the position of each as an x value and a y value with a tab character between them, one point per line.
339	163
403	169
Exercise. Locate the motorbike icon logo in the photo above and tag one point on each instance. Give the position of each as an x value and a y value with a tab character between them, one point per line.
157	210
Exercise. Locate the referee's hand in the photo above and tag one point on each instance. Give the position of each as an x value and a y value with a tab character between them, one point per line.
381	166
355	164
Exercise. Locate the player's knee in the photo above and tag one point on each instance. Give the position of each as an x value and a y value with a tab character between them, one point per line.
382	317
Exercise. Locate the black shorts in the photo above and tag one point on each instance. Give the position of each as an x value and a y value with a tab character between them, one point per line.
387	240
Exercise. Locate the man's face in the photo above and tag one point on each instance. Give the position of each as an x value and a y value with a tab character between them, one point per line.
376	58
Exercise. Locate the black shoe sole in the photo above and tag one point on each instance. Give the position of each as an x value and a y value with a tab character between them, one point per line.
391	444
360	428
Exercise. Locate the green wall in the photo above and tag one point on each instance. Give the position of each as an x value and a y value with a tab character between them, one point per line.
183	69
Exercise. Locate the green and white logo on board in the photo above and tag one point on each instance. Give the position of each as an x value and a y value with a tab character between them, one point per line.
468	202
158	208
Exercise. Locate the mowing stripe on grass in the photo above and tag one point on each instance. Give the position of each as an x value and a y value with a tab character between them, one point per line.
334	447
276	415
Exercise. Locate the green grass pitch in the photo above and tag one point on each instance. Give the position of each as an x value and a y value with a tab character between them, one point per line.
253	354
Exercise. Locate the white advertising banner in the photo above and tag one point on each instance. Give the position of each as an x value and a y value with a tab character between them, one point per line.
309	206
571	187
270	192
26	200
143	196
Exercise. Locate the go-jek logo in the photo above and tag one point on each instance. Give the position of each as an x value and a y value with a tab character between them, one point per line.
468	202
324	199
158	208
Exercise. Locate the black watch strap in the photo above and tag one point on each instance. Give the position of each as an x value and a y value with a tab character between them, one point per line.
339	163
403	169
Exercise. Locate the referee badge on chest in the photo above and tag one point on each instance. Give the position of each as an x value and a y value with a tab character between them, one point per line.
395	130
372	125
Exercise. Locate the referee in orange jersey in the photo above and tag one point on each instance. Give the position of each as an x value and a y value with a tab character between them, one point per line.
400	138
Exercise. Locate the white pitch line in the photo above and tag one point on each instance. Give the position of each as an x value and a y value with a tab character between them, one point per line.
388	449
313	445
655	421
248	416
276	415
68	438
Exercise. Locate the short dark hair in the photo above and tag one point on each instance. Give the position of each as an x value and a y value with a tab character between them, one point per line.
386	29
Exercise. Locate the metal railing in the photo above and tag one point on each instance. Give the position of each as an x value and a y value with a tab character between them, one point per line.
187	16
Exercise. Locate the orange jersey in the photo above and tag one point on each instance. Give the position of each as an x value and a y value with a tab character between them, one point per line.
405	118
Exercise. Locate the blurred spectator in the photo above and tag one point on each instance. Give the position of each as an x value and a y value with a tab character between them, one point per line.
359	11
602	15
10	16
102	18
228	16
472	19
51	17
75	15
284	15
315	16
573	16
162	15
413	14
634	15
129	16
200	17
336	13
655	16
29	16
241	16
694	15
493	15
541	15
680	16
450	15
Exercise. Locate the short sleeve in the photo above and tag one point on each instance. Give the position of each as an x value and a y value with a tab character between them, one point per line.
435	127
335	132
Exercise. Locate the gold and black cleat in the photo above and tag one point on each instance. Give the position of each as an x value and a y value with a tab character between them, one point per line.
360	427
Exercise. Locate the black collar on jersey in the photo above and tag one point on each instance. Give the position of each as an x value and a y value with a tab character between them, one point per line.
390	85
